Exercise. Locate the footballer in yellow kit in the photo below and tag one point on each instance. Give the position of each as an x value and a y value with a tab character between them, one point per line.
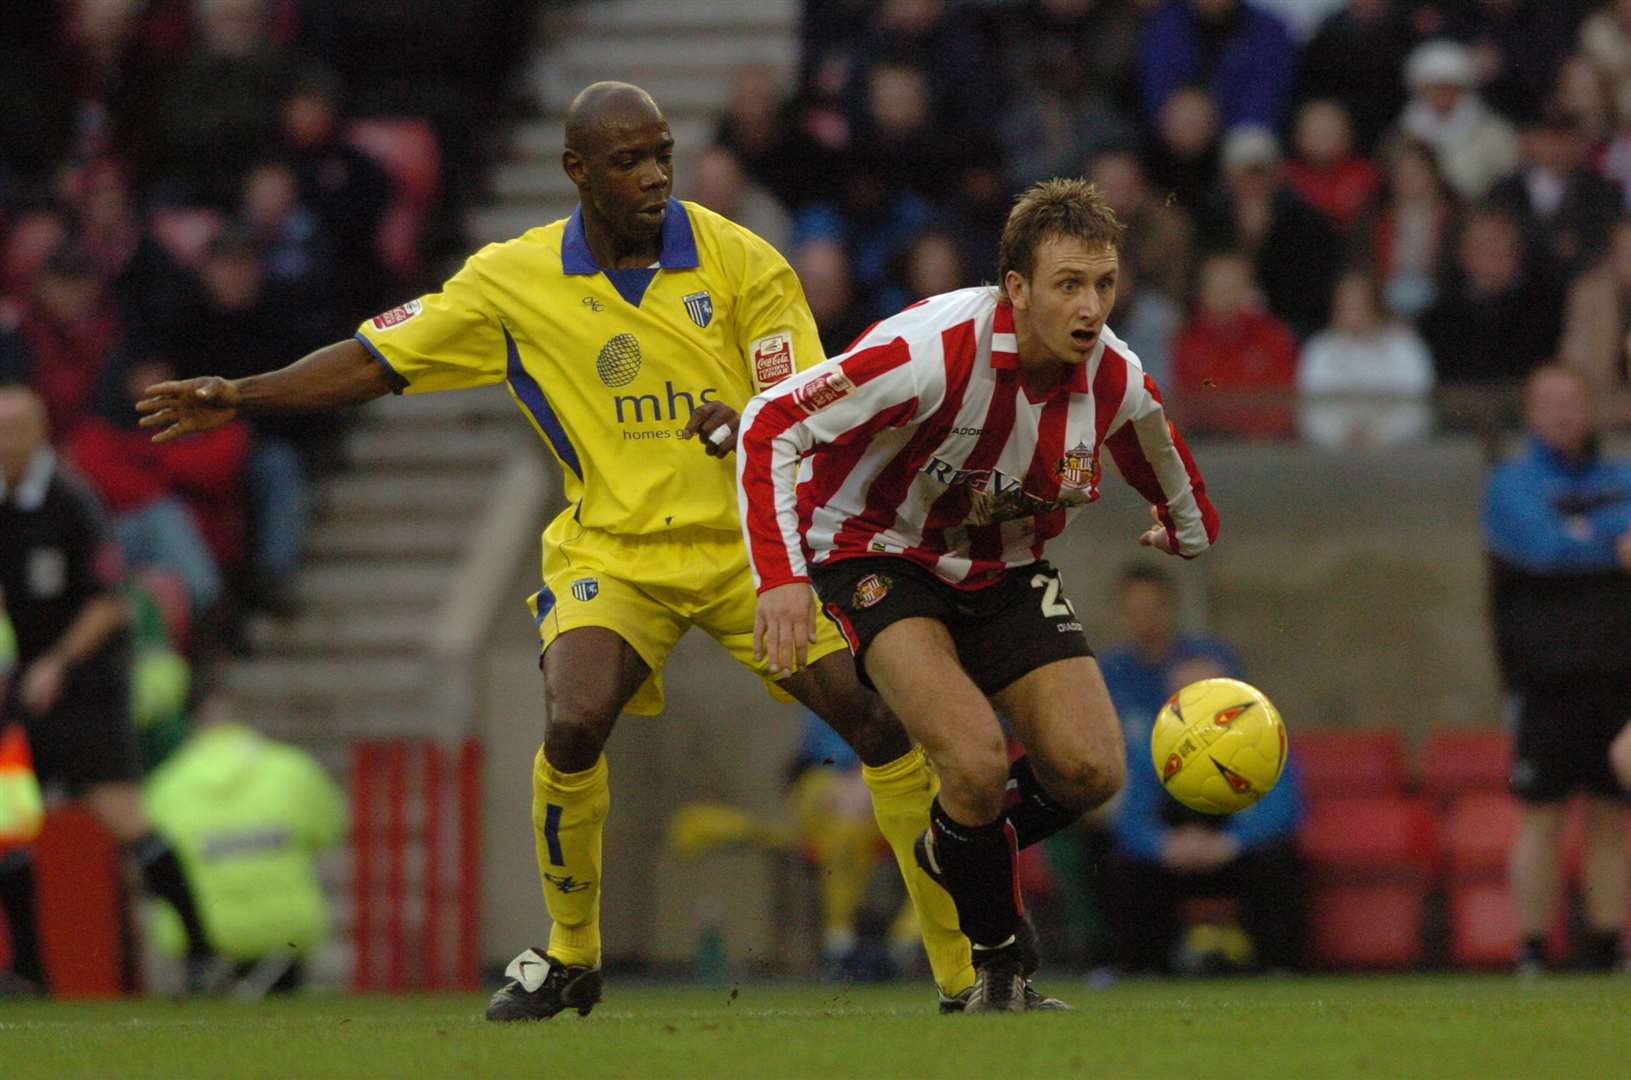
622	331
608	367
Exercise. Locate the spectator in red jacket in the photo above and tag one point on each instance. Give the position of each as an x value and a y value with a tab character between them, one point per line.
1234	364
178	505
69	343
1326	172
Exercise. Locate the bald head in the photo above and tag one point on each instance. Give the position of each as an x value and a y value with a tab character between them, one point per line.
603	108
22	429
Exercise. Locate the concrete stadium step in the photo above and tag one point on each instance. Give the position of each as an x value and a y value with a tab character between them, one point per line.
387	539
392	684
357	632
637	55
534	181
412	444
679	17
498	222
320	721
392	584
678	93
403	492
541	141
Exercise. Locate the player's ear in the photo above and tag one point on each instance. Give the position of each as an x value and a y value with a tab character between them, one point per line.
573	164
1017	290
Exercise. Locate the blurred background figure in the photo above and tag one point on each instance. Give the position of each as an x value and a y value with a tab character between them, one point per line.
1327	171
1364	380
1245	865
1240	53
1159	237
717	180
1597	319
1563	206
1495	318
59	577
1475	145
823	269
249	818
1295	251
1557	525
1356	57
1233	364
1407	236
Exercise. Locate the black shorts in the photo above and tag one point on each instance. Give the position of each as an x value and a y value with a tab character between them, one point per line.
1563	736
1002	632
87	738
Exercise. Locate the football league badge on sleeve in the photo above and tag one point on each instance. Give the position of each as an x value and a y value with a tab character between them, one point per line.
585	589
700	306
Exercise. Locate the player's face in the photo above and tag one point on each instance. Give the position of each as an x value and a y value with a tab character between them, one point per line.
1067	299
627	176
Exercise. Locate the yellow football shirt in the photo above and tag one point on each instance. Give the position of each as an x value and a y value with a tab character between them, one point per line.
608	365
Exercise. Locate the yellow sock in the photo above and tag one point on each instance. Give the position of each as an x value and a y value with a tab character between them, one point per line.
568	818
901	793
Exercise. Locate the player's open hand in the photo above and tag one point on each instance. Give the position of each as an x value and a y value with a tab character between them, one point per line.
184	406
1156	536
716	423
784	627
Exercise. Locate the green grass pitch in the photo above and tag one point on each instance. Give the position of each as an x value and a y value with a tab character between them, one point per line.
1286	1029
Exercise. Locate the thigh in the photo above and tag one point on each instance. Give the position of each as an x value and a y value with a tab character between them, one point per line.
593	583
913	664
1063	714
1013	628
864	597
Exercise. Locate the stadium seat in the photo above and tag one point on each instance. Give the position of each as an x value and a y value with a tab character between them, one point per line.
1458	761
1348	761
1477	834
1367	926
1369	839
407	149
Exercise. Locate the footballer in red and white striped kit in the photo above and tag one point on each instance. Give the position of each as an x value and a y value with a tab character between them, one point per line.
915	481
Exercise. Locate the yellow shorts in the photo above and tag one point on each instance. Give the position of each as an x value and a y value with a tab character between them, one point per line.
650	590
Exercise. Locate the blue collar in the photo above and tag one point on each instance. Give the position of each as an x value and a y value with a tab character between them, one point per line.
678	252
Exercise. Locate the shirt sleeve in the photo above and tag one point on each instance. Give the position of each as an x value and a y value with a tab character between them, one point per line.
774	327
1154	459
448	340
844	400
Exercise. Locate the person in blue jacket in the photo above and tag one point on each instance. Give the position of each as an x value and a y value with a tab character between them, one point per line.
1244	56
1557	526
1162	852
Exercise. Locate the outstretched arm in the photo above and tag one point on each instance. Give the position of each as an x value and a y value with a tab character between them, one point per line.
344	373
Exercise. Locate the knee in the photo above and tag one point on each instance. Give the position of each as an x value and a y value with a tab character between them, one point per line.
973	779
1087	783
576	729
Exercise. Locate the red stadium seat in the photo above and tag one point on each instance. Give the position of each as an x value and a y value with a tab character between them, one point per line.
1367	926
1369	838
81	906
407	149
1477	834
1483	932
1348	761
1464	760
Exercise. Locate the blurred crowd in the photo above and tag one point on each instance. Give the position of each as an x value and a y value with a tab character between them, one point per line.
220	186
1334	206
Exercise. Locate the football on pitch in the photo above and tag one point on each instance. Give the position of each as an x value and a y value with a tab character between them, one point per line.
1218	745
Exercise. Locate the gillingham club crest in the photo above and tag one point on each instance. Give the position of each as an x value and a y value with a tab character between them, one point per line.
700	306
870	589
1079	469
585	589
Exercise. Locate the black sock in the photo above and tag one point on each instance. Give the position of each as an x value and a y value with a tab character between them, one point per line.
978	862
1032	811
17	901
163	876
1600	950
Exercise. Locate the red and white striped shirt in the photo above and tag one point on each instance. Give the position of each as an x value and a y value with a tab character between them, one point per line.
922	442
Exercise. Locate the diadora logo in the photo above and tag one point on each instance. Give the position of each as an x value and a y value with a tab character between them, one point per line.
671	406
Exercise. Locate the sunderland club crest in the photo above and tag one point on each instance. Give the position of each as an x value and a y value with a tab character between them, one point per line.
1079	469
870	589
700	306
